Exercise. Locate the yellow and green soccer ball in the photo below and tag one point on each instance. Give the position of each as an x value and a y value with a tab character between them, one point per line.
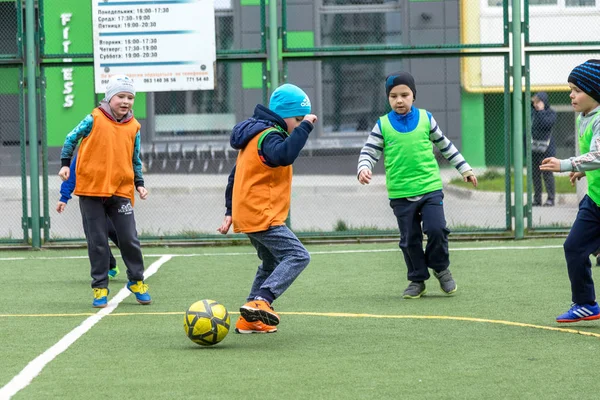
206	322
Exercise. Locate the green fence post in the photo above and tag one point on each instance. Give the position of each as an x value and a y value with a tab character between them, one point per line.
31	66
273	44
517	114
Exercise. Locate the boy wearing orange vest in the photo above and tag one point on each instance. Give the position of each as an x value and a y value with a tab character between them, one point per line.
109	170
257	199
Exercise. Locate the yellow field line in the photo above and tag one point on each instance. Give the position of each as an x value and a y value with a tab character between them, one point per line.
339	315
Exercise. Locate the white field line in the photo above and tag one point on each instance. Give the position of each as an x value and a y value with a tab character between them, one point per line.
311	252
27	374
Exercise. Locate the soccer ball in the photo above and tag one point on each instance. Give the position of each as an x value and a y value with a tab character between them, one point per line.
206	322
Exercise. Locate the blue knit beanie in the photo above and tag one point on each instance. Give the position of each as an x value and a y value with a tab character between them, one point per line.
289	101
586	77
400	78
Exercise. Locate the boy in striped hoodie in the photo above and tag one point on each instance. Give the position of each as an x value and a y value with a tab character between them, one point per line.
109	171
414	184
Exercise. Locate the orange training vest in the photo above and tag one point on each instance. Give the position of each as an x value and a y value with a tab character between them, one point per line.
104	162
261	194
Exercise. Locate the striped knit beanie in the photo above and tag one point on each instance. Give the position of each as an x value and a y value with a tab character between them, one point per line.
586	77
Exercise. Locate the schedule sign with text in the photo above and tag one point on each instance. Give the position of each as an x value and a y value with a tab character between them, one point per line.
162	45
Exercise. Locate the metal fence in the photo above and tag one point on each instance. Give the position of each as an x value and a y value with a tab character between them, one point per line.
339	52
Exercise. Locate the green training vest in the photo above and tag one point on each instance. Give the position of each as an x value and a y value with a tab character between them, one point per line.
593	177
410	165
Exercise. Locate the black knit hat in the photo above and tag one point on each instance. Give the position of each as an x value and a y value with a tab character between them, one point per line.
586	77
400	78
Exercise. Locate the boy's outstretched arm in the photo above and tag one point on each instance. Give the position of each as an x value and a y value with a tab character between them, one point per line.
370	154
280	151
585	162
138	175
81	131
68	186
226	224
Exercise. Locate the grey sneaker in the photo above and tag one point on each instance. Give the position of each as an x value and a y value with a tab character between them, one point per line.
414	290
447	283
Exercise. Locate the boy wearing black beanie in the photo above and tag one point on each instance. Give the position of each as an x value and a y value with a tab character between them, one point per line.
584	236
405	136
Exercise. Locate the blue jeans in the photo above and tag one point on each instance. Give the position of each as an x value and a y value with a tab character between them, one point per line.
583	240
283	258
429	210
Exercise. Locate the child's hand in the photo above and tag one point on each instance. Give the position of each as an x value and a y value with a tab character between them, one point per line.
143	192
364	176
575	176
60	206
64	173
550	164
469	176
224	228
312	118
472	179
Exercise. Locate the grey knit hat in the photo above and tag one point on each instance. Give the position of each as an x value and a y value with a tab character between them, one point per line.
117	84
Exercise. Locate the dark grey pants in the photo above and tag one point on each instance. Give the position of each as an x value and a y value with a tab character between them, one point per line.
97	213
283	258
112	235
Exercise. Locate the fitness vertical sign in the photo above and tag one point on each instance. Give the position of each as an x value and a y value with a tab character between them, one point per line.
162	45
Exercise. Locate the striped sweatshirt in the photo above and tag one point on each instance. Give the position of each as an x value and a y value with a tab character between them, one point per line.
374	147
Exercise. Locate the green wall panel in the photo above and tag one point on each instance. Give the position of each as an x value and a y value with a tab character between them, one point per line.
252	75
80	26
60	120
9	80
473	128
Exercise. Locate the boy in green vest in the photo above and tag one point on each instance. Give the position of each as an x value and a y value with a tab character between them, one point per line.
584	237
405	136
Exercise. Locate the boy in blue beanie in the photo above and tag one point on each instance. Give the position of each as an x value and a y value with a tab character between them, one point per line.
584	236
405	136
257	199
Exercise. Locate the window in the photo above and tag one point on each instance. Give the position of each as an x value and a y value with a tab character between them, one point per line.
8	28
580	3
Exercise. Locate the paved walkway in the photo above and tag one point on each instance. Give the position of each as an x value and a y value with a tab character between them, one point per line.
184	204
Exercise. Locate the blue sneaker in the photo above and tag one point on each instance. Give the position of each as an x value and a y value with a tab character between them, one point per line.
580	312
140	289
113	272
100	297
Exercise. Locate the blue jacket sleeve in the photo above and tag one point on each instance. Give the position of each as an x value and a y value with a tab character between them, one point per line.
279	151
67	187
81	131
229	192
138	177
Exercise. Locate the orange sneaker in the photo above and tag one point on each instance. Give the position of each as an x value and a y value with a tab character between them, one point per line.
243	326
259	310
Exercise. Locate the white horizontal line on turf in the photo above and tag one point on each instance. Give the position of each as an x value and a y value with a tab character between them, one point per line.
311	252
27	374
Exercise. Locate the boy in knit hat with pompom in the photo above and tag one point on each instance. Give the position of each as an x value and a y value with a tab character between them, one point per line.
257	199
109	171
405	136
584	236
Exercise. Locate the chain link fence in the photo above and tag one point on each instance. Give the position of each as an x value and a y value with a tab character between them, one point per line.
339	52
